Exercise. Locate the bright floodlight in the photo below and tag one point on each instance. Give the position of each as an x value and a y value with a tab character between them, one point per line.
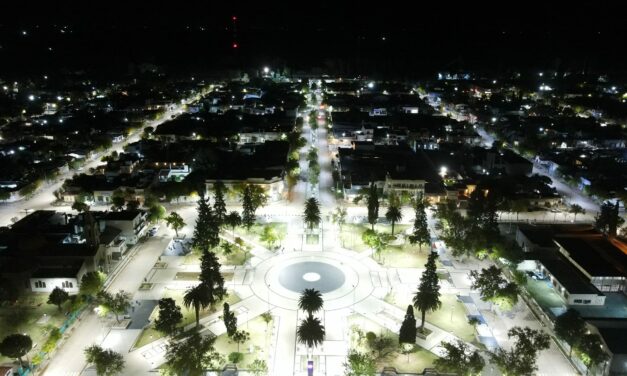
443	170
31	97
266	70
370	85
311	277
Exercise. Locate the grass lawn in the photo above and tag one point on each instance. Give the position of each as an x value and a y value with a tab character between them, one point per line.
193	276
189	316
237	257
405	255
259	340
22	317
451	317
418	360
311	239
149	334
257	229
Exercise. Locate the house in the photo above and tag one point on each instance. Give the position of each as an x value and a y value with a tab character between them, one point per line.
131	223
66	277
569	283
176	173
47	249
393	169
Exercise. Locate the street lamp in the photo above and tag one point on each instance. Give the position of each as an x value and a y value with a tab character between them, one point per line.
268	296
353	306
266	70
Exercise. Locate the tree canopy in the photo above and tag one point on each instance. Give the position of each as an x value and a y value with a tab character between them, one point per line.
427	298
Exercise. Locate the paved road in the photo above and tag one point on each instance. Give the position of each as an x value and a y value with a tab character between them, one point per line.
91	329
570	195
44	198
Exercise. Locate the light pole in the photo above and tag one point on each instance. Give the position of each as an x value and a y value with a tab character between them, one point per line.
268	296
353	305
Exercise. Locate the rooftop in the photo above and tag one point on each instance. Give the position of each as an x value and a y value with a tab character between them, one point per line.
569	277
595	254
69	271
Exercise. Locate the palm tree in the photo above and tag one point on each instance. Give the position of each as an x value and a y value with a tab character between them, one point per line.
393	215
312	213
310	301
197	297
310	332
576	209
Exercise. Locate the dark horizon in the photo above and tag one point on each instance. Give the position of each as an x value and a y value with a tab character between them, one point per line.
395	41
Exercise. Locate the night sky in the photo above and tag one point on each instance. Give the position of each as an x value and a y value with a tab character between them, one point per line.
385	38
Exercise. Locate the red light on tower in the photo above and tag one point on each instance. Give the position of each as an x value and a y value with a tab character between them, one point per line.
235	45
234	18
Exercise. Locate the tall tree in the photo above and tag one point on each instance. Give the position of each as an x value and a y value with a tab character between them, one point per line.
393	214
156	213
407	333
230	321
458	358
192	356
312	213
211	277
240	337
576	209
16	346
339	216
420	232
373	205
233	219
427	297
207	232
219	206
248	207
590	350
376	240
608	220
169	318
520	360
197	297
106	361
175	221
58	296
310	332
570	327
117	303
80	206
269	235
91	283
494	288
310	301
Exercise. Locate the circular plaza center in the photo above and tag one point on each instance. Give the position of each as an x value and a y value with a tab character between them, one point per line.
342	278
321	276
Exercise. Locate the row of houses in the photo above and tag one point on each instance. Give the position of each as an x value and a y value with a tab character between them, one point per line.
48	249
